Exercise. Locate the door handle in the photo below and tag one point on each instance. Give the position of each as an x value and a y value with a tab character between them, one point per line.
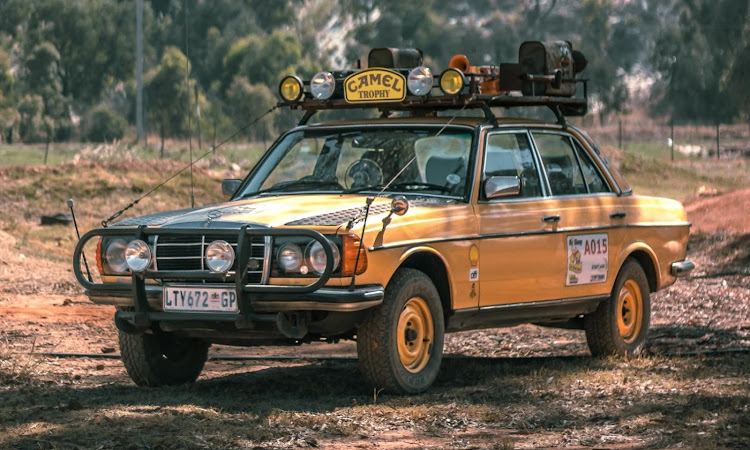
551	219
618	215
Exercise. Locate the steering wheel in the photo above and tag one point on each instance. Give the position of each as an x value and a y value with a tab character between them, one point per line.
362	173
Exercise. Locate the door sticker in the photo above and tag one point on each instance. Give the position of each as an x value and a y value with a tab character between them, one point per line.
474	274
588	259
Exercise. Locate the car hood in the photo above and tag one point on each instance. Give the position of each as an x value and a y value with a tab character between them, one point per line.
320	210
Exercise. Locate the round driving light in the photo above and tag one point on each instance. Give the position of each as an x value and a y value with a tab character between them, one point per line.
114	255
322	85
420	81
137	255
290	257
452	81
316	256
290	88
219	256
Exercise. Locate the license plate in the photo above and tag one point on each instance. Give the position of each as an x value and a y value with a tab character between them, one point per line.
200	298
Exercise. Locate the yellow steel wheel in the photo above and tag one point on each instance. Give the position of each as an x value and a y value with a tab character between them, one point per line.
629	311
415	334
619	326
400	342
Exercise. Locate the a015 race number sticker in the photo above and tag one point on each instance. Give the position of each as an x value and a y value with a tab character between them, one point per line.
588	259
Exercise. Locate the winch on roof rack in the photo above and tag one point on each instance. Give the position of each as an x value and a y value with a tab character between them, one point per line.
396	80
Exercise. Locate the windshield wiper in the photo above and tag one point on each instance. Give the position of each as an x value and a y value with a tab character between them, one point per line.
374	187
418	185
407	186
284	186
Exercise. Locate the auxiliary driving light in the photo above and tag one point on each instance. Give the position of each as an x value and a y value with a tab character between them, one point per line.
420	81
137	255
290	88
115	256
316	256
290	257
219	256
322	85
452	81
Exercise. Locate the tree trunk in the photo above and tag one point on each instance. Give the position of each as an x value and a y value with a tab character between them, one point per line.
161	151
46	151
671	140
718	149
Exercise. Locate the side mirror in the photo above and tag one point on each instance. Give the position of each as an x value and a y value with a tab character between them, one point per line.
501	186
230	186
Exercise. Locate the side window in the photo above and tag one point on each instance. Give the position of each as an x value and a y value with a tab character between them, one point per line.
560	164
509	154
593	178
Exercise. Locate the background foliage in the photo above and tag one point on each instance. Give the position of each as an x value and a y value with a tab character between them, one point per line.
65	65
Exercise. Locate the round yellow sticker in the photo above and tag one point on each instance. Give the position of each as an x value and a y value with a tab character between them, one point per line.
474	255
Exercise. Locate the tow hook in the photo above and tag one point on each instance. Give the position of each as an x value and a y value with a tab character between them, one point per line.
139	325
292	325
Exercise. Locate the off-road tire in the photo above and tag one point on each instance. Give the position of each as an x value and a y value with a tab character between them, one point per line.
409	293
160	359
621	330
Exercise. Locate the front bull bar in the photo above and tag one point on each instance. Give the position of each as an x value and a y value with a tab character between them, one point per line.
142	317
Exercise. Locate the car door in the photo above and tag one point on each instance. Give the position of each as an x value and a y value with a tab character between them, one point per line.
518	239
588	233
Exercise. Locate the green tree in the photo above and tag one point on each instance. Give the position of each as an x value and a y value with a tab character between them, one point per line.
8	114
103	124
248	101
41	80
168	95
696	58
31	114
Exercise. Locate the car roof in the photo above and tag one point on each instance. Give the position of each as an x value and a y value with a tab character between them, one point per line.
472	121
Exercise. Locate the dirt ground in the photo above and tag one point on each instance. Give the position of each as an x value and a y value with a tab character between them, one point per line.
43	312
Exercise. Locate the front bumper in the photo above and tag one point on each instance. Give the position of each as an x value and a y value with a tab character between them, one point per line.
324	299
681	268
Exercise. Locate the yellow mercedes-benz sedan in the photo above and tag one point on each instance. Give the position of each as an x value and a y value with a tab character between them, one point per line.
395	230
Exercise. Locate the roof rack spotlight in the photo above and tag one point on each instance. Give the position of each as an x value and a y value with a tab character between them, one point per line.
322	85
419	81
452	81
291	88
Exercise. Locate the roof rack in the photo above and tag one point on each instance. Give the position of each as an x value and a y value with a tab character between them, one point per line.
560	106
544	76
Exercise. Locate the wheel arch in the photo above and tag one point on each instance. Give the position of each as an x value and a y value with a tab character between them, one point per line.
641	253
432	264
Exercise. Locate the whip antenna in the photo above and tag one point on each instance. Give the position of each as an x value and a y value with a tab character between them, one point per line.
189	166
187	91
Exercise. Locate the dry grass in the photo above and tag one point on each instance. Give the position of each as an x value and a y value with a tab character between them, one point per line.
654	402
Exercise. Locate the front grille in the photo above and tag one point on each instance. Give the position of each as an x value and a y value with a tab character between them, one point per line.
186	253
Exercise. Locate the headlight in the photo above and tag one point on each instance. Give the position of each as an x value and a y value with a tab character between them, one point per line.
322	85
290	257
114	255
316	256
452	81
290	88
137	255
420	81
219	256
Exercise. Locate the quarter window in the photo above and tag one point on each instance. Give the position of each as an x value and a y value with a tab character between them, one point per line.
593	178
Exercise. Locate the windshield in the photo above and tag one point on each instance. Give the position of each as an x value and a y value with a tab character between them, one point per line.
399	160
